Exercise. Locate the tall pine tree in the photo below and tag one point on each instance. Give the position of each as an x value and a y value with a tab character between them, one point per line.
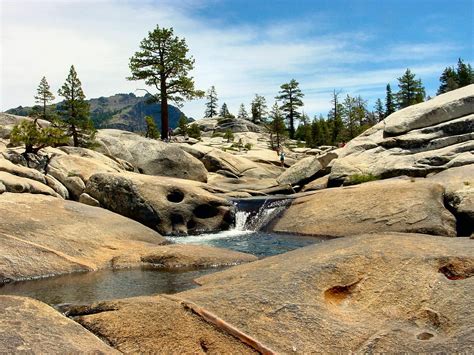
211	104
163	63
74	111
379	111
411	90
43	97
259	109
291	96
336	124
276	127
389	101
243	115
224	112
449	81
464	73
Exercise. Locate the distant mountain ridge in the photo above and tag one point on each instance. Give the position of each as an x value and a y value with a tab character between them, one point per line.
122	111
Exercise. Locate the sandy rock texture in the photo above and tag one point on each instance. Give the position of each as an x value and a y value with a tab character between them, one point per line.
399	205
28	326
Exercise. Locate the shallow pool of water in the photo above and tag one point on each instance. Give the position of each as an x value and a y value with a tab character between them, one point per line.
88	287
261	244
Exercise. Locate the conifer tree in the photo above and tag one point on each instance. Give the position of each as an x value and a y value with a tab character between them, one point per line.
449	81
379	111
259	109
74	111
151	129
229	135
224	112
164	64
243	115
276	127
291	96
335	118
194	131
211	104
389	101
183	124
411	90
43	97
465	74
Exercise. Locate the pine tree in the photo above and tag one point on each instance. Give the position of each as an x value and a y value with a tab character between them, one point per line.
74	111
211	104
259	109
194	131
411	90
151	129
243	115
163	63
335	119
291	96
349	117
465	74
183	124
276	127
229	135
389	101
224	112
34	137
44	96
379	111
449	81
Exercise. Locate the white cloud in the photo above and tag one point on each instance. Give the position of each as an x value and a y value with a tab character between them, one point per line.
45	37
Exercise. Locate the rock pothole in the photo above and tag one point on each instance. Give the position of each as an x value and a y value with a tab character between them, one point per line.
206	211
337	294
175	196
425	336
457	268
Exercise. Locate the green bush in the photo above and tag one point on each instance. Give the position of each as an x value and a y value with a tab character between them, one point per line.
248	146
361	178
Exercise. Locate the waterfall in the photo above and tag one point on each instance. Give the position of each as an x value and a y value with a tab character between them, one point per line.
258	219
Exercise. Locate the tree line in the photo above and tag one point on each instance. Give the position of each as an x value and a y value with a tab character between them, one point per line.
348	117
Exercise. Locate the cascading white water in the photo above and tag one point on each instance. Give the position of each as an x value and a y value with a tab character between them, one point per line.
246	222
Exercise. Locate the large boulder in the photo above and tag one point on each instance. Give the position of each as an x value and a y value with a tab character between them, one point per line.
150	156
399	205
381	293
168	205
8	121
429	137
306	169
28	326
156	325
43	236
219	124
459	185
17	184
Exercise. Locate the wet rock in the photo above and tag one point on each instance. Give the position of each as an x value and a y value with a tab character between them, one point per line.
30	326
168	205
389	292
400	205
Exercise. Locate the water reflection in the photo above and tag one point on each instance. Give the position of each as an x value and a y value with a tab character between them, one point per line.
79	288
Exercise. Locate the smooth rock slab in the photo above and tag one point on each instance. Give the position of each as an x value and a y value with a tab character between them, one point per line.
28	326
399	205
378	293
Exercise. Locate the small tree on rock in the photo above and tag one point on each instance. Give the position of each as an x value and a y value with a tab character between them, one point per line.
243	115
259	109
183	124
74	111
229	135
34	137
43	97
211	104
194	131
151	129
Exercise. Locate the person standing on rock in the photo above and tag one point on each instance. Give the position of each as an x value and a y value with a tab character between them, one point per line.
282	158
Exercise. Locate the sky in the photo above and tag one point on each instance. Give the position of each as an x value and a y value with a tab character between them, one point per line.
242	47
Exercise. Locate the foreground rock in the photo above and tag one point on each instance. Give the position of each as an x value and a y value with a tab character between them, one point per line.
157	325
30	326
391	292
459	185
43	235
149	156
429	137
170	206
399	205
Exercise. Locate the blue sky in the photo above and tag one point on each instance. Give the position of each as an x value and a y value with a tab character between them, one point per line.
242	47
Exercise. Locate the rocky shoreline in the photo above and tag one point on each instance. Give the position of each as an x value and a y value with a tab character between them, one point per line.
399	200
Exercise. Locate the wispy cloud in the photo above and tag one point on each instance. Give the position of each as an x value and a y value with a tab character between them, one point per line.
45	38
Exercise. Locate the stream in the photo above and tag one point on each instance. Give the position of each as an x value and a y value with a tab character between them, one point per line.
249	235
